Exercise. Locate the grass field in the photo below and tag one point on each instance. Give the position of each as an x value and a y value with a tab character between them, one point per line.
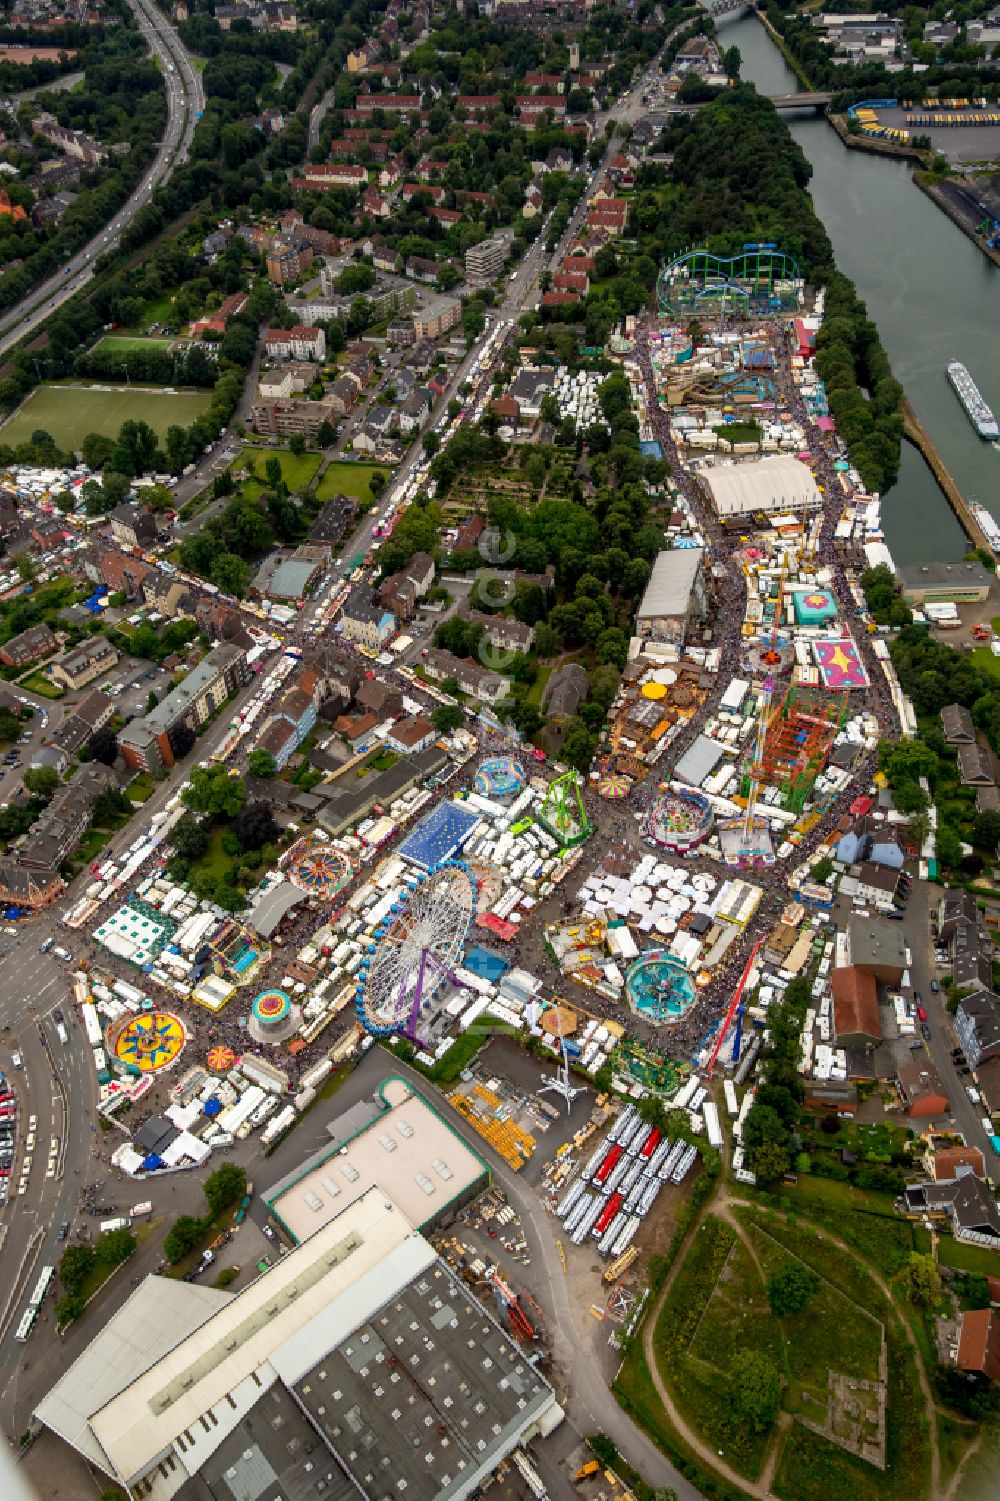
125	344
69	413
344	478
296	472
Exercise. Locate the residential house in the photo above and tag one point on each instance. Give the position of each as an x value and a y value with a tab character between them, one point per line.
288	260
966	1201
977	1025
343	394
869	839
284	418
411	735
979	1343
956	723
398	593
478	682
63	822
366	621
879	885
119	573
922	1089
502	633
77	668
975	766
32	645
333	520
132	526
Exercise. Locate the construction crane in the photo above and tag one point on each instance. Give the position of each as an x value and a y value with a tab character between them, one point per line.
733	1005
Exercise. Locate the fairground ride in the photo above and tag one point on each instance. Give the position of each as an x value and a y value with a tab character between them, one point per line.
562	813
758	279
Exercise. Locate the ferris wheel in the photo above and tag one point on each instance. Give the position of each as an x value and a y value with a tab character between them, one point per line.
416	948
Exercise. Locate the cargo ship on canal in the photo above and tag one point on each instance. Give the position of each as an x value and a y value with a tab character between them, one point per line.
969	395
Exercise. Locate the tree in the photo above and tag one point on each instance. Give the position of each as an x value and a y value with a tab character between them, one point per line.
447	717
75	1267
103	746
297	445
261	763
431	442
215	792
326	435
377	482
920	1279
754	1389
225	1186
272	470
768	1161
985	829
254	826
183	1237
115	1246
579	744
190	838
789	1290
42	780
823	870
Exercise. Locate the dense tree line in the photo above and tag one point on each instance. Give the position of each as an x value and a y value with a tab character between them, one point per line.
864	398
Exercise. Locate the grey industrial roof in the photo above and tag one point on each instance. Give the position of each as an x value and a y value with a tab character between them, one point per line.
876	942
290	579
699	760
930	575
428	1391
159	1313
671	582
272	908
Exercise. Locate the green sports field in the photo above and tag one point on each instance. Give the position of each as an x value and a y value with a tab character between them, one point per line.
69	413
125	344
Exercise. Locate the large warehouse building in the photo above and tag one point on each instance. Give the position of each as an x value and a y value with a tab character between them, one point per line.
398	1140
359	1365
760	487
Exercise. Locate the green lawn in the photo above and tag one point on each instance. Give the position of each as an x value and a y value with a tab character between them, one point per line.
140	787
296	472
37	682
344	478
70	413
966	1258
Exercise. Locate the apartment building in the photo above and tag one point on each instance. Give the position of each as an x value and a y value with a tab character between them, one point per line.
77	668
303	342
485	261
147	742
440	314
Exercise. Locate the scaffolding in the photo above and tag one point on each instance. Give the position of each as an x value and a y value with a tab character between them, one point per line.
797	745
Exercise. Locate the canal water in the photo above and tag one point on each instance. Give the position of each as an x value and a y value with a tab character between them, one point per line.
932	294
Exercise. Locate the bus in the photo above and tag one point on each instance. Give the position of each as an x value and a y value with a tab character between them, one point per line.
26	1325
41	1287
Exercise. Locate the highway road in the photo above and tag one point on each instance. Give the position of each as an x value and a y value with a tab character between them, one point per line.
185	101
